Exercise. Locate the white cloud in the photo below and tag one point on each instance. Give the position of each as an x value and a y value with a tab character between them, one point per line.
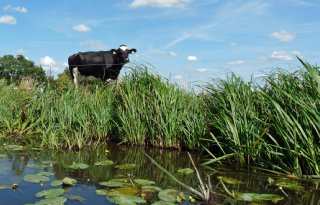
282	36
8	20
283	55
51	66
173	54
160	3
201	70
47	61
81	28
192	58
94	44
236	62
178	77
17	8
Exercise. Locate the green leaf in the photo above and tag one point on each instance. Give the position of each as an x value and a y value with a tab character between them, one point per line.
50	193
78	166
185	171
229	180
128	200
289	184
115	183
144	182
104	163
163	203
254	197
15	147
35	178
68	181
126	166
102	192
169	195
56	200
56	183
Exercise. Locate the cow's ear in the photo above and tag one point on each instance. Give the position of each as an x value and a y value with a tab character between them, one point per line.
114	51
133	51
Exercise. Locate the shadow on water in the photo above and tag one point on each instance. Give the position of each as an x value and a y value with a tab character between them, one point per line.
14	165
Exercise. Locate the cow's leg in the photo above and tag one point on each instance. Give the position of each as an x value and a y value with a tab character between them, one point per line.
76	74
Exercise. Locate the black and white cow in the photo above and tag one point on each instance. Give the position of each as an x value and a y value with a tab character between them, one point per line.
105	65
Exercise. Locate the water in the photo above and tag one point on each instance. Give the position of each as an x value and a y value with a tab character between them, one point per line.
16	164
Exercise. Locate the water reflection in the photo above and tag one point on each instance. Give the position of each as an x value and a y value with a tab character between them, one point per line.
58	161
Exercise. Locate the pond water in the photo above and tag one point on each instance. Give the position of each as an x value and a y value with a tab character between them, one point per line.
16	164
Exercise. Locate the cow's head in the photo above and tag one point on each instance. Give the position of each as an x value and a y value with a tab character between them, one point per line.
122	53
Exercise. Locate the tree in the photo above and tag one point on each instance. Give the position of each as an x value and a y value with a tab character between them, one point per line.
13	69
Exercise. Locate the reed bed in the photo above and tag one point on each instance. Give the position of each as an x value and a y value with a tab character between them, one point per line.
273	124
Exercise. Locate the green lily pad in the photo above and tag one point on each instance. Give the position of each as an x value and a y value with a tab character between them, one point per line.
15	147
169	195
37	166
131	191
35	178
50	193
5	187
128	200
185	171
56	183
150	189
101	192
115	183
56	200
229	180
163	203
144	182
254	197
104	163
67	181
47	174
126	166
289	184
78	166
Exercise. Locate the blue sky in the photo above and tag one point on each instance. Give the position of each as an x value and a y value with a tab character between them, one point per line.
188	41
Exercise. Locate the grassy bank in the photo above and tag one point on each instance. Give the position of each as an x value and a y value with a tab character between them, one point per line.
274	124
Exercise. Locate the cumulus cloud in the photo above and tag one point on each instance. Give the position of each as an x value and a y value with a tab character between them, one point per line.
192	58
236	62
160	3
50	65
47	61
283	55
81	28
94	44
283	36
8	20
16	8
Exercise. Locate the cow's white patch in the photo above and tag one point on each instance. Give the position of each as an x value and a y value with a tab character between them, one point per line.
76	74
123	47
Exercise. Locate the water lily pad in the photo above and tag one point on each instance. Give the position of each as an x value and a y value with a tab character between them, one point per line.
50	193
5	187
229	180
163	203
289	184
254	197
47	174
67	181
78	166
56	200
123	191
115	183
56	183
104	163
37	166
15	147
101	192
128	200
35	178
144	182
150	189
185	171
169	195
126	166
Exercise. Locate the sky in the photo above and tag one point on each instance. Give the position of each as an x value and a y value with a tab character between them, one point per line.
188	42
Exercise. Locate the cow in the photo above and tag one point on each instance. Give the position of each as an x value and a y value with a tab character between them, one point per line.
105	65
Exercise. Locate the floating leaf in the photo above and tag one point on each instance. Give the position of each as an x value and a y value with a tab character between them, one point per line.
169	195
115	183
254	197
185	171
68	181
56	200
144	182
128	200
15	147
47	174
163	203
289	184
104	163
78	166
37	166
50	193
101	192
122	191
56	183
5	187
150	189
229	180
35	178
126	166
